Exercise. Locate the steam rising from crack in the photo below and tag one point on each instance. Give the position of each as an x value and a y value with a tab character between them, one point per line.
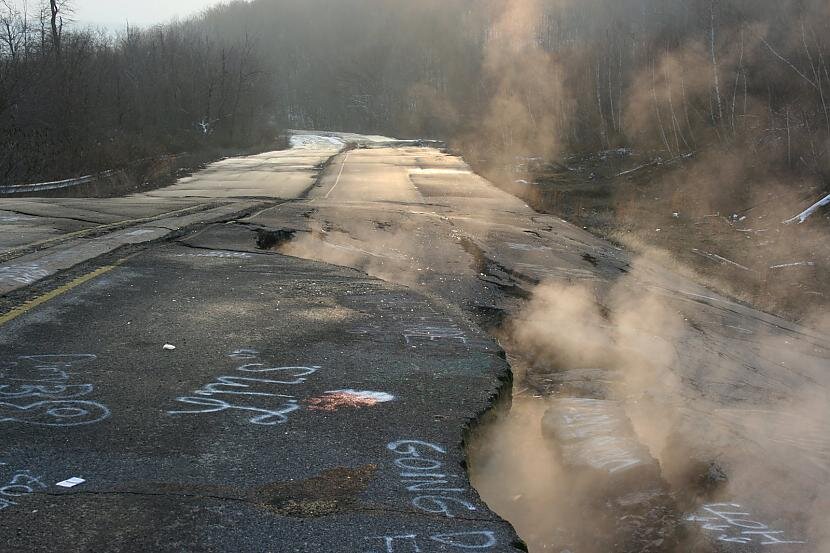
717	436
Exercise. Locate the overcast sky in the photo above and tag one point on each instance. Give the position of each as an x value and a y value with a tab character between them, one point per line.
139	12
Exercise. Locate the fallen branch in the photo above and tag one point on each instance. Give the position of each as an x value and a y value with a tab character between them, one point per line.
788	62
657	162
804	215
797	264
718	258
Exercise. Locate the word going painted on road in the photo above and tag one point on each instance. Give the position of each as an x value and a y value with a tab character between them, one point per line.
240	389
733	525
413	543
420	466
17	485
22	274
35	390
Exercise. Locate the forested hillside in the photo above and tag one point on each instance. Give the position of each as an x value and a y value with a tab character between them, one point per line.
498	78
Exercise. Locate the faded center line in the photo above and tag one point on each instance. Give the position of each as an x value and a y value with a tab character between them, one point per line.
340	174
40	300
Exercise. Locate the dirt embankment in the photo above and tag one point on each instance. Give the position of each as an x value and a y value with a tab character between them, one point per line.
700	214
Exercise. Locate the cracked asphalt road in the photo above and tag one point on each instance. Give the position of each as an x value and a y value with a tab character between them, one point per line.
305	407
216	446
746	392
320	392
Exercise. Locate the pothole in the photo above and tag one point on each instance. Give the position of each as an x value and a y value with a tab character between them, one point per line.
273	239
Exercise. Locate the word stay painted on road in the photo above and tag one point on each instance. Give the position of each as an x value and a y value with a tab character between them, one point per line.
35	390
252	381
733	525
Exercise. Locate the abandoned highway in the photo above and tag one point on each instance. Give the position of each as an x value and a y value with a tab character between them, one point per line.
345	347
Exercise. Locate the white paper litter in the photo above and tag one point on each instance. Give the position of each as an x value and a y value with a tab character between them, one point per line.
169	347
71	482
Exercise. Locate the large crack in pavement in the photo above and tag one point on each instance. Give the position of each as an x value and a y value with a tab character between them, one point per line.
640	514
678	488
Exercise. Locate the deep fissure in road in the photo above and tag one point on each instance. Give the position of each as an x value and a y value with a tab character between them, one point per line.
597	452
515	455
591	458
529	474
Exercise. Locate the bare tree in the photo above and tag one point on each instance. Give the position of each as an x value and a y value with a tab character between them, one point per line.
56	22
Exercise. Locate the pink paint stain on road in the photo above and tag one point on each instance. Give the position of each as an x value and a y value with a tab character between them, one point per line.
335	399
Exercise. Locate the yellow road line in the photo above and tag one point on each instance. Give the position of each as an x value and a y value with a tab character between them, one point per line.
40	300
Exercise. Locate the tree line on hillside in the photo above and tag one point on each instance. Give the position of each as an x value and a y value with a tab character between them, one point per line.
498	78
75	101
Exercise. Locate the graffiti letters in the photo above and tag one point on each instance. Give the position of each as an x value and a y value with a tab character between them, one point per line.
412	543
421	470
244	386
21	484
733	525
34	390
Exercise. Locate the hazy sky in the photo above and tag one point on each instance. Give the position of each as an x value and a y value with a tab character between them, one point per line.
139	12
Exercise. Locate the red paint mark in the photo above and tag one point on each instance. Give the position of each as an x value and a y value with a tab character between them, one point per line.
332	401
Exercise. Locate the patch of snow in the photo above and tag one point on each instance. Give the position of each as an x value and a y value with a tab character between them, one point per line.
334	140
315	142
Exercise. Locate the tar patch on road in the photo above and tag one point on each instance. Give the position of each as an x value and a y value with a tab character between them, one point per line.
329	492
